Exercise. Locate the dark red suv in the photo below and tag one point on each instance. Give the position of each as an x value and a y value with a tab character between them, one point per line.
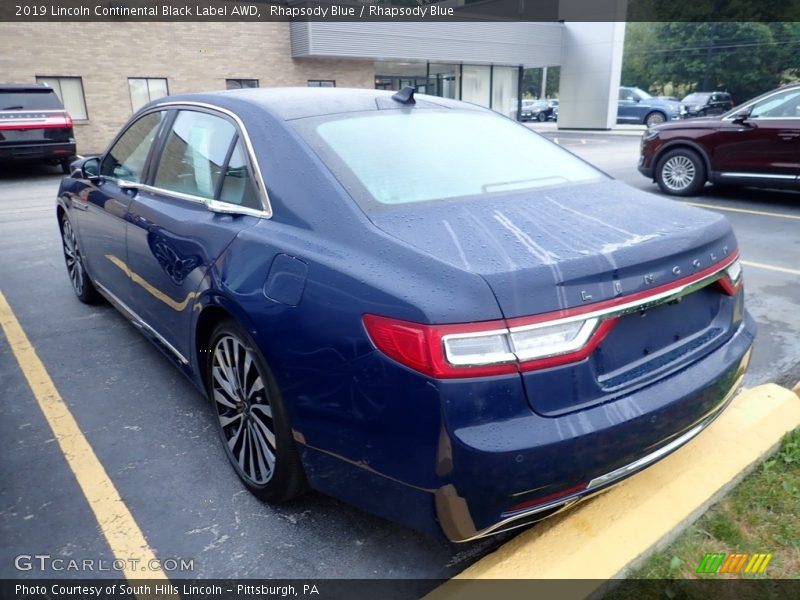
755	144
34	126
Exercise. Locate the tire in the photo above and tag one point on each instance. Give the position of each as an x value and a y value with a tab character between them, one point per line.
541	117
654	118
81	282
681	172
247	407
65	166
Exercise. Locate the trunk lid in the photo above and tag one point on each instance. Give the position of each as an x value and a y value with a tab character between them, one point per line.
572	246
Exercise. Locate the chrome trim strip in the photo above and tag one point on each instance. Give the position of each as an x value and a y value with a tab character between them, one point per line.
599	315
262	188
639	304
211	204
645	460
759	176
642	462
138	321
619	473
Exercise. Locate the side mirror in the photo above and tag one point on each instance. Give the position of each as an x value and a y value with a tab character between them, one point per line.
741	116
88	168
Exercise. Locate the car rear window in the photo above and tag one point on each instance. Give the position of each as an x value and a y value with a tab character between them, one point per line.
398	157
29	100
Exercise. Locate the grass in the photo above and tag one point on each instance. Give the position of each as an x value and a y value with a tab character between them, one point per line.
761	514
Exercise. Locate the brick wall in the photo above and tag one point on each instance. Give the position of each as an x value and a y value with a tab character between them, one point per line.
192	56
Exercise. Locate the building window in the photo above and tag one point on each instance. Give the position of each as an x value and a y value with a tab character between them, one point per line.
321	83
145	89
70	91
241	84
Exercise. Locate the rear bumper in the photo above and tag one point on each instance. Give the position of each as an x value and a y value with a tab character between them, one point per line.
511	473
43	151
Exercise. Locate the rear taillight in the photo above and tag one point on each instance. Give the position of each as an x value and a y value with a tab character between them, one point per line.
731	280
528	343
68	121
488	348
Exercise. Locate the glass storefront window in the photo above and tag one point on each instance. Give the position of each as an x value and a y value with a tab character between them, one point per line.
476	84
444	80
492	87
505	88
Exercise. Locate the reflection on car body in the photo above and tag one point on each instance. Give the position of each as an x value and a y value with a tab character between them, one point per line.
463	338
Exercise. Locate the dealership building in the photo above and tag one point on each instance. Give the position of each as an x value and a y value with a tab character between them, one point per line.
104	71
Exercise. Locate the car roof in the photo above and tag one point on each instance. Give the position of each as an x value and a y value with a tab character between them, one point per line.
300	102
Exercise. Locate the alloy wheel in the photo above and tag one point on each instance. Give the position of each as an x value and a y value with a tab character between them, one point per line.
243	409
678	172
72	256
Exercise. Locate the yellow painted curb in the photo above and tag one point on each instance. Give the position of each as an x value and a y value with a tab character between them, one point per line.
600	539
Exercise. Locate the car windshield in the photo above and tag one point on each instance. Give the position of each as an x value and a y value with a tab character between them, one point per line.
642	94
696	98
29	100
539	104
393	157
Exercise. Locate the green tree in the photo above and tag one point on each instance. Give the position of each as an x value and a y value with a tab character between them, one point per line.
745	59
532	82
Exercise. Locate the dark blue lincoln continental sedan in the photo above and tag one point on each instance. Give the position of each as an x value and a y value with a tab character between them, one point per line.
410	303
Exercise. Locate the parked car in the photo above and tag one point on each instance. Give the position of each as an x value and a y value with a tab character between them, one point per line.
637	106
553	102
34	126
464	338
701	104
537	110
756	144
668	98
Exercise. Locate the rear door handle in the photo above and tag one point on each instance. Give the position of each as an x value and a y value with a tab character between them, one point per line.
788	136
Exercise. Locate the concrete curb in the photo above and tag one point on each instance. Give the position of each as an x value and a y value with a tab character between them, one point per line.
609	535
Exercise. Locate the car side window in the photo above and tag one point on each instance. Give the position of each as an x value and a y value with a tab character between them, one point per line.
237	185
127	157
194	154
785	105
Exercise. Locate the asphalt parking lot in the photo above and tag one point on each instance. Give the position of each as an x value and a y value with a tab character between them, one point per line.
153	433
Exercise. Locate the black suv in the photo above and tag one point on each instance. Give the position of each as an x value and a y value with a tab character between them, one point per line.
702	104
34	126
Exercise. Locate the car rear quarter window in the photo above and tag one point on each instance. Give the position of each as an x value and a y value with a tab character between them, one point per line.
399	157
237	185
195	153
127	157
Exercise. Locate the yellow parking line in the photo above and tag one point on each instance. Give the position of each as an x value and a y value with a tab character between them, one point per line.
762	213
759	265
116	522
